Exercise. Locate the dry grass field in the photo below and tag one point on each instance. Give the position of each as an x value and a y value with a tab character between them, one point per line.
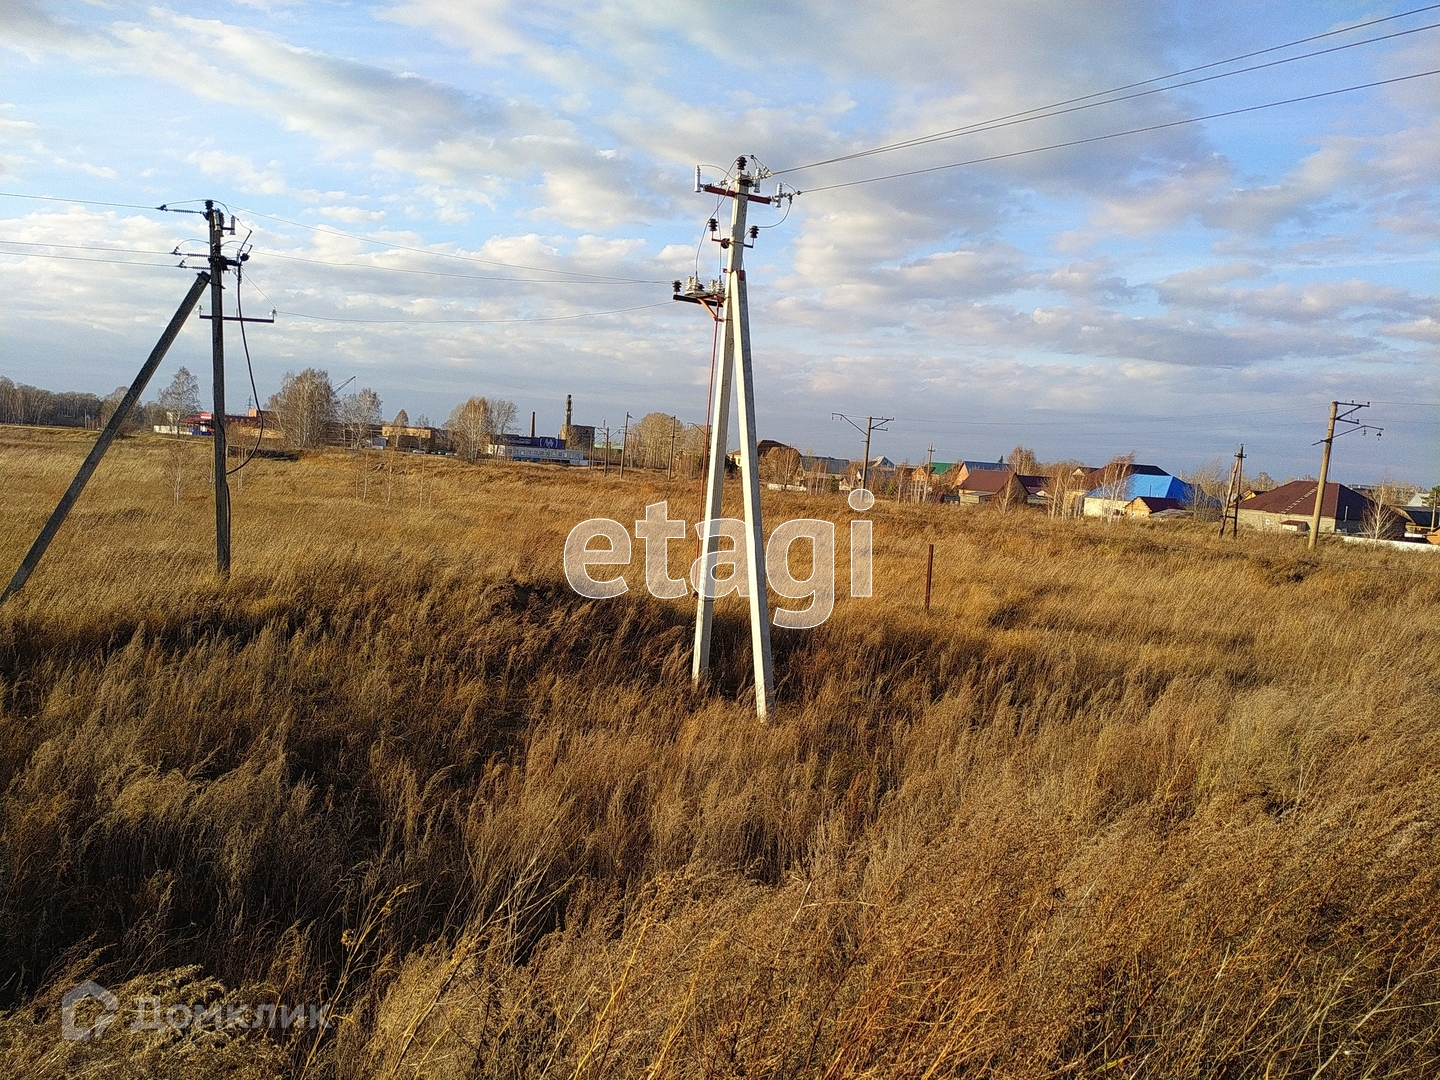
1130	802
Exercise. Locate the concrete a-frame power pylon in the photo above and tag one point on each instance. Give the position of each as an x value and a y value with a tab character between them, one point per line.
733	364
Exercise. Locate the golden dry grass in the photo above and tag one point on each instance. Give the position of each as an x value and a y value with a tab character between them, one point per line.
1131	802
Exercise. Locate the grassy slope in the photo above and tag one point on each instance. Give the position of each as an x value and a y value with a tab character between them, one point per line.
1132	801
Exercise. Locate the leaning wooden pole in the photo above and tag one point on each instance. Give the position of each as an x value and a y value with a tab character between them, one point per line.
132	396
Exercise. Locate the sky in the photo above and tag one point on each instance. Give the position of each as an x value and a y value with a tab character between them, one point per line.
449	199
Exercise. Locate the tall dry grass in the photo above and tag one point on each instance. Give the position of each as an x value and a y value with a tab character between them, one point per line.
1130	802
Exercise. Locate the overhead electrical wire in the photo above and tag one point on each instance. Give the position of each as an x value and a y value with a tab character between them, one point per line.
978	129
86	247
1024	115
1070	422
78	202
327	318
81	258
1120	134
589	278
297	258
254	393
558	276
469	322
433	273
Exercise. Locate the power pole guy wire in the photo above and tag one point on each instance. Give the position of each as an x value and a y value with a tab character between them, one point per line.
92	459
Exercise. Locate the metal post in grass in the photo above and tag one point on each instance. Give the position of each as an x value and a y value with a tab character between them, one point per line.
929	576
117	420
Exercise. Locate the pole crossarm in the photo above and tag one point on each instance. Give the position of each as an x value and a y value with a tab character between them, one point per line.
1347	417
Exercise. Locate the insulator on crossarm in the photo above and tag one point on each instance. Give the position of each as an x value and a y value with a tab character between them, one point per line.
697	179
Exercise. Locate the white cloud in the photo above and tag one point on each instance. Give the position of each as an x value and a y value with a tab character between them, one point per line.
351	213
239	171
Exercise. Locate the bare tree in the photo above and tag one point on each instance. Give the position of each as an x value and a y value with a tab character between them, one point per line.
654	434
131	423
305	407
1380	520
1115	482
1208	486
780	465
1062	484
359	415
181	398
502	413
470	426
1022	461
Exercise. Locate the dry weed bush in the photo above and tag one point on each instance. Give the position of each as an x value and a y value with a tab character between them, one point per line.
1131	802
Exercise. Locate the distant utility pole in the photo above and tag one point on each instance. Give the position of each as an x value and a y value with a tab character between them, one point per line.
674	430
734	364
624	443
606	470
929	463
1234	492
1336	416
872	423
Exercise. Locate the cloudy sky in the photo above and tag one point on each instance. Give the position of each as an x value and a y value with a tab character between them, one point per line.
451	198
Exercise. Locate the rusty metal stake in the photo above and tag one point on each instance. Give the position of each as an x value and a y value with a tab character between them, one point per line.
929	576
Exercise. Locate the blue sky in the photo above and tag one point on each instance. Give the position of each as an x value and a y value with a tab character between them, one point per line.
507	171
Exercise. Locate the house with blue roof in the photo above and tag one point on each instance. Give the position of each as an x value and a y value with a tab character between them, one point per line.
1140	482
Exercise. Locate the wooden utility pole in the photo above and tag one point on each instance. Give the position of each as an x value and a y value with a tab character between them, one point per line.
1234	491
606	470
872	423
216	219
624	443
1336	416
674	429
107	436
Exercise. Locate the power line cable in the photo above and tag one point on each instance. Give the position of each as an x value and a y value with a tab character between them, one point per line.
585	276
1046	109
79	202
436	273
448	255
254	393
86	247
315	262
1121	134
468	322
976	129
79	258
